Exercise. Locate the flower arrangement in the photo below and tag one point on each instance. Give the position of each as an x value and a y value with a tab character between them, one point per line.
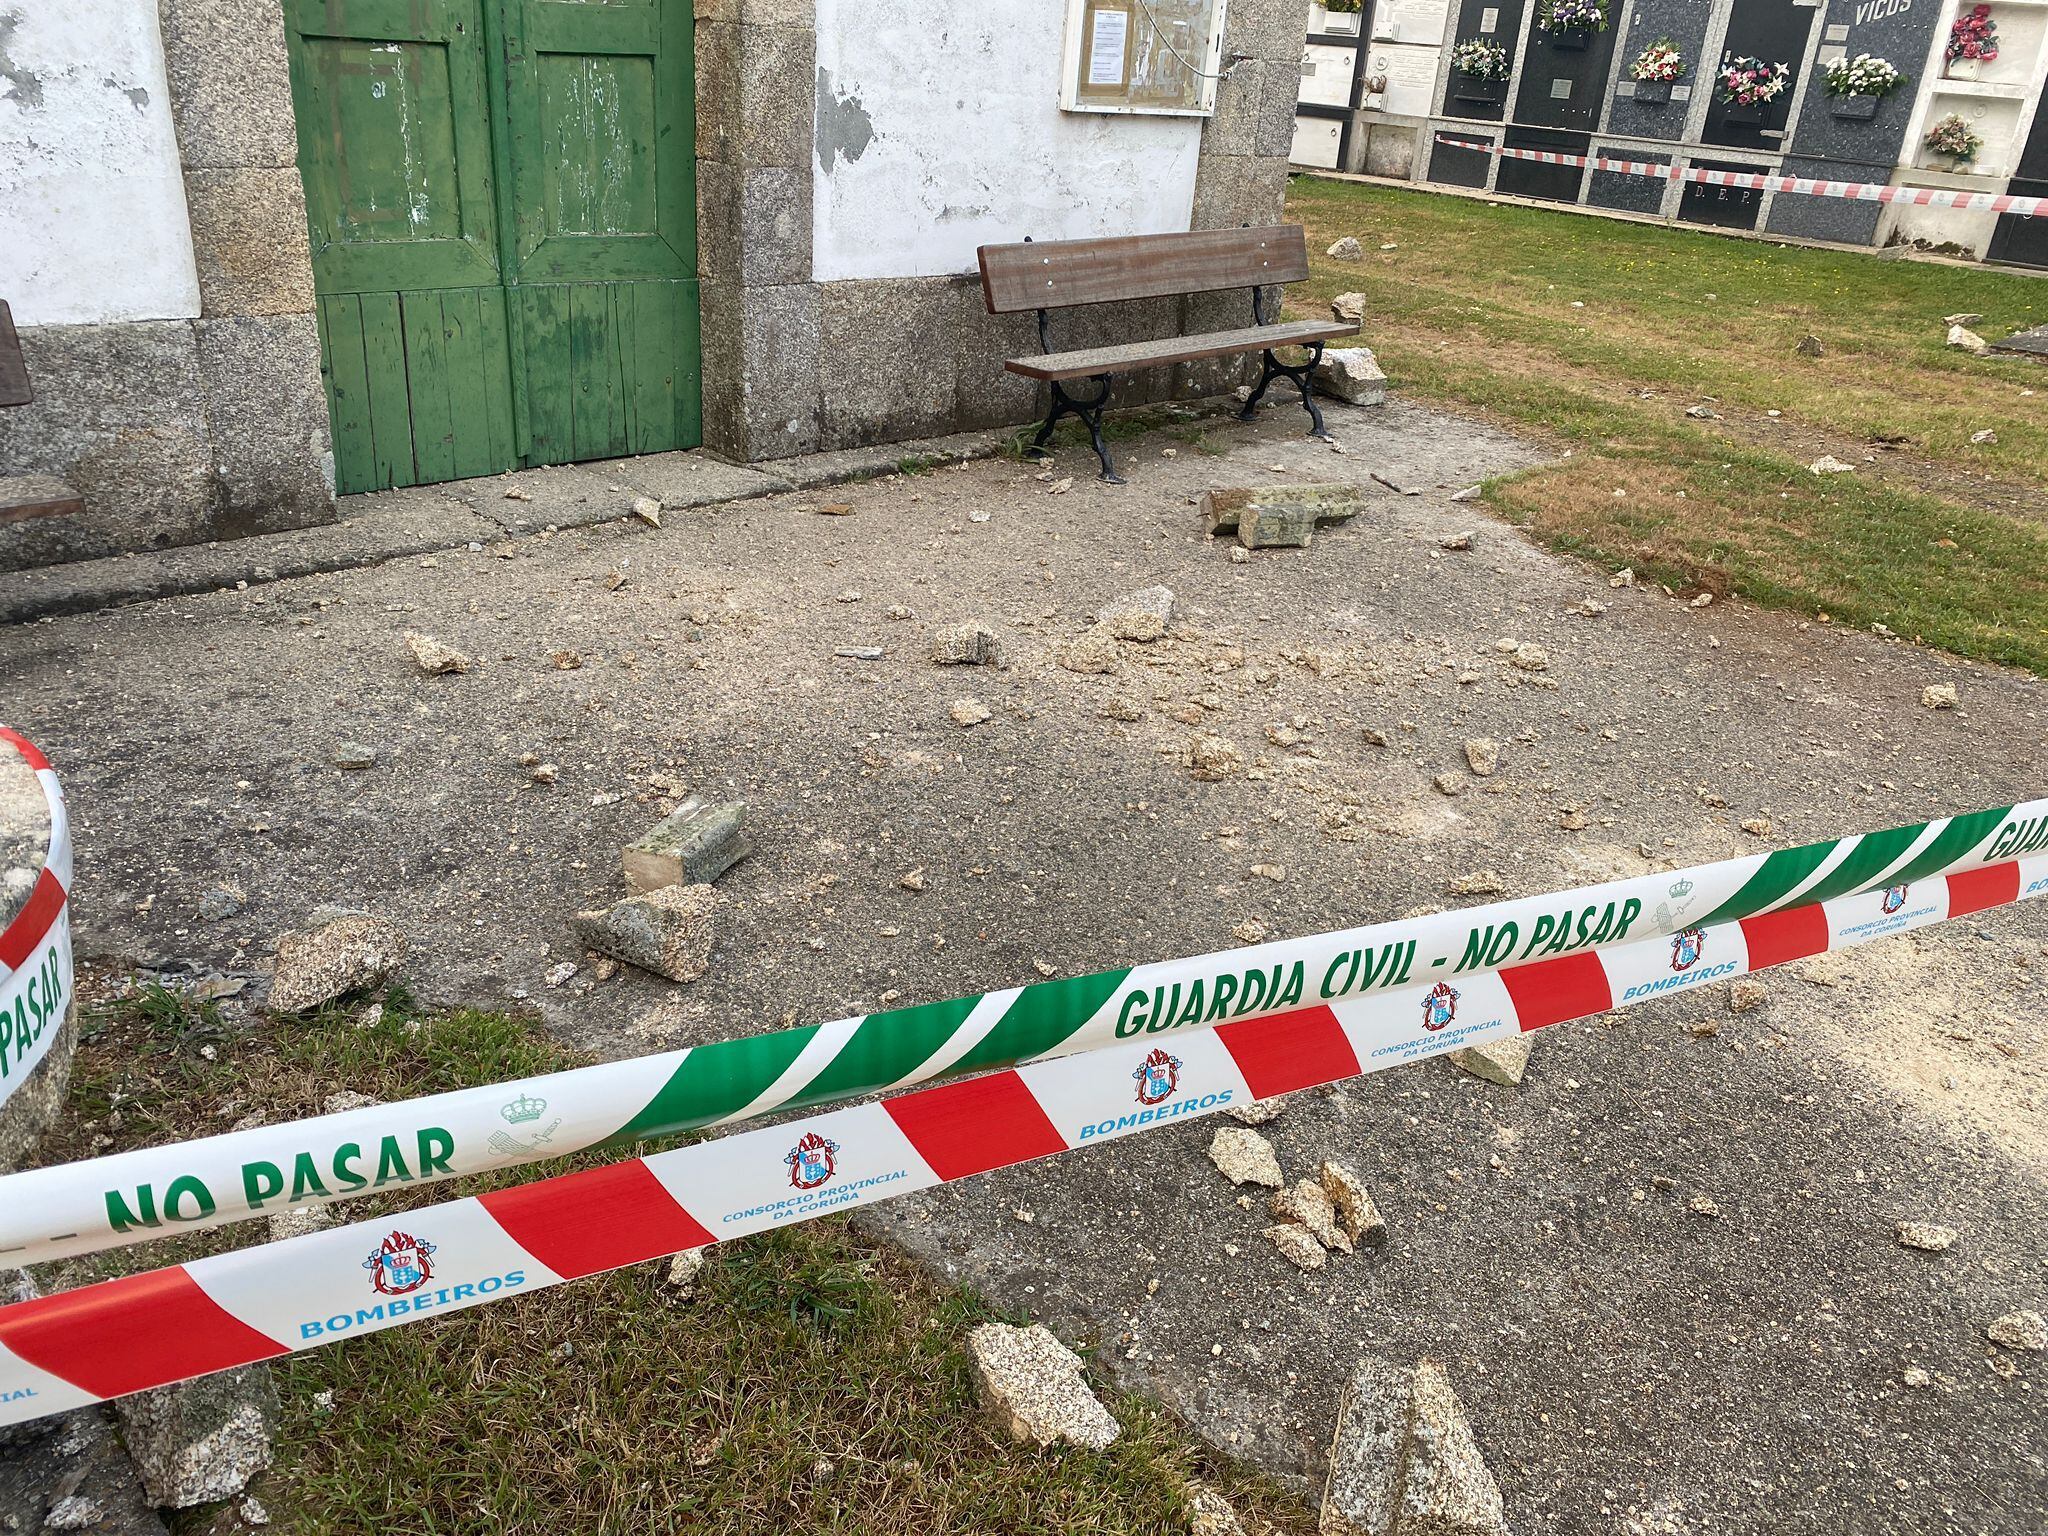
1863	76
1481	59
1974	37
1565	15
1952	137
1344	7
1750	82
1660	61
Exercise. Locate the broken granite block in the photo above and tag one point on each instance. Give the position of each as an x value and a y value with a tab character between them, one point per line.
1404	1460
1500	1061
1283	526
1142	616
972	644
1032	1383
1329	504
666	931
344	952
201	1440
1352	374
696	844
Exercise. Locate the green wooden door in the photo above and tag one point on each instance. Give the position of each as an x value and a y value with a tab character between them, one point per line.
502	200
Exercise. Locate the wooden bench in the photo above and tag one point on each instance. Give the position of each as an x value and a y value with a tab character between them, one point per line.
26	496
1060	274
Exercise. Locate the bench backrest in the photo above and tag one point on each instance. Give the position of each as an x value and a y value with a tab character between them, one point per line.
1055	274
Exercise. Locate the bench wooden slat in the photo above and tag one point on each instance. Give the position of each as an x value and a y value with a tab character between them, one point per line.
1061	273
1176	349
14	387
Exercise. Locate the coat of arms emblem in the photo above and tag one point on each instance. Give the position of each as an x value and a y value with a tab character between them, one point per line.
1687	947
400	1264
1894	898
1440	1006
1157	1076
811	1161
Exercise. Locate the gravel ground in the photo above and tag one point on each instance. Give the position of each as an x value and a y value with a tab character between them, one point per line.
1630	1363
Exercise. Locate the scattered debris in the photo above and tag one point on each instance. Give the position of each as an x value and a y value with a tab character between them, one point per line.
1811	346
347	952
1927	1236
1259	1111
201	1440
1348	307
968	712
1210	759
1527	656
683	1270
298	1221
648	510
1308	1204
1757	826
1360	1217
1747	995
1404	1460
1091	651
1625	577
1482	753
1967	340
1353	375
1346	248
1298	1245
1985	438
544	773
1828	464
1701	1205
1913	1376
2025	1329
1142	616
1210	1514
667	931
1503	1061
1480	882
433	656
1449	783
1965	317
912	880
1245	1157
1938	696
1328	503
1702	413
693	845
1456	541
969	644
353	754
1032	1384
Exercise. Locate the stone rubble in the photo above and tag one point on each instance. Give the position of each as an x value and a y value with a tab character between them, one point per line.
433	656
2025	1329
1211	759
1353	375
1245	1157
1259	1111
667	931
969	644
693	845
683	1270
1298	1245
1927	1236
1482	755
968	712
1032	1384
1142	616
1307	1204
1354	1205
1502	1061
1346	248
1404	1461
202	1440
1747	995
1282	525
349	952
354	755
1210	1514
648	510
1939	696
1093	651
1967	340
1348	307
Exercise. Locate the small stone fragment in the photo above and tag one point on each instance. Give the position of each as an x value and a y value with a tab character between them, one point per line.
1529	657
1482	754
1747	995
1757	826
1828	464
683	1270
1964	339
1915	1377
693	845
1702	413
1963	317
1308	1204
1927	1236
1298	1245
972	644
221	902
1346	248
648	510
202	1440
1503	1061
1210	1514
1625	577
667	931
1938	696
1259	1111
1701	1205
1811	346
1481	882
74	1512
834	509
347	953
1211	758
298	1221
1348	307
1245	1157
1984	437
545	773
432	655
1449	783
1456	541
354	755
2025	1329
1360	1217
1091	651
968	712
1142	616
1353	375
1032	1384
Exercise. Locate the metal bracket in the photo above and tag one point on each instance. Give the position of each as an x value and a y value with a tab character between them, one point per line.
1064	404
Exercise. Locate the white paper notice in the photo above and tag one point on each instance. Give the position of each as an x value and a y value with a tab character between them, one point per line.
1106	47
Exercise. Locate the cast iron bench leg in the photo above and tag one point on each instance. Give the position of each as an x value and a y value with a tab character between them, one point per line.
1090	411
1271	368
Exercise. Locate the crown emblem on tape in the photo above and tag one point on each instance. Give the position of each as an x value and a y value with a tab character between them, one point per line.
522	1109
1680	889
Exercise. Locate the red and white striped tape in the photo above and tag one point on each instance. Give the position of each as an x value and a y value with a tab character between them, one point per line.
35	948
1855	191
148	1330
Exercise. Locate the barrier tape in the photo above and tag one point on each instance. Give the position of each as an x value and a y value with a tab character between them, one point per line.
35	948
1855	191
136	1196
149	1330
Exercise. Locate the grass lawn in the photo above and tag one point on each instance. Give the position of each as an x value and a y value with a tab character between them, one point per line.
814	1381
1596	336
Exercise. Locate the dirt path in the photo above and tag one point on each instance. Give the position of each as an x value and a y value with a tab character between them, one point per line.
1630	1364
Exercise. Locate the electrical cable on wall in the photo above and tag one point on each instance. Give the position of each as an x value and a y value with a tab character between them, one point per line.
1167	43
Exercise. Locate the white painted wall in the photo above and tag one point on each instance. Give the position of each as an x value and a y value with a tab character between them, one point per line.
966	142
92	208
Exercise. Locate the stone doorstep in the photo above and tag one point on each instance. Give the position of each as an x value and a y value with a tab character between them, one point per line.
395	525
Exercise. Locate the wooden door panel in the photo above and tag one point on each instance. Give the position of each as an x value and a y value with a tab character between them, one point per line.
610	368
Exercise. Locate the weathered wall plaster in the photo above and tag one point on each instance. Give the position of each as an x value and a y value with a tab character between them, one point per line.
92	206
939	129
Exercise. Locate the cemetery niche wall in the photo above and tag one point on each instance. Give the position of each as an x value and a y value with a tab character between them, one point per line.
1849	91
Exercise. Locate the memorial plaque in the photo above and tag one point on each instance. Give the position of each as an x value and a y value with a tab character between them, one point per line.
1410	21
1410	74
1497	23
1776	32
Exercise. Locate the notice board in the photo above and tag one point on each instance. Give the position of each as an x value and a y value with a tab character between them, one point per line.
1151	56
